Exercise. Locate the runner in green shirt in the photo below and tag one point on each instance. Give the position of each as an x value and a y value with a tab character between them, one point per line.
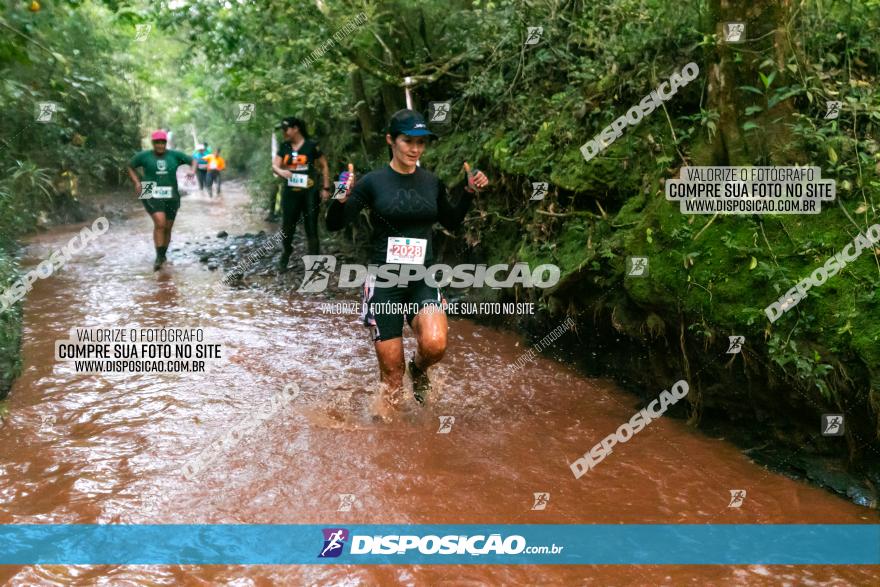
158	190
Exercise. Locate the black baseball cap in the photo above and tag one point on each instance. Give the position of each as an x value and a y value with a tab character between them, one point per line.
408	122
289	121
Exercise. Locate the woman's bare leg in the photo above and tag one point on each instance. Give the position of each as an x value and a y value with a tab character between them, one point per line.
430	326
391	369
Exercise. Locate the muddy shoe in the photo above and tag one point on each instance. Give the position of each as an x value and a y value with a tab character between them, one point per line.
282	262
157	264
420	382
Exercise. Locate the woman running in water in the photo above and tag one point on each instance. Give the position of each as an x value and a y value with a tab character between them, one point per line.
405	201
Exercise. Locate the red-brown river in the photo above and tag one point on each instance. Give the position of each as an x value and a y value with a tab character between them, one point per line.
109	448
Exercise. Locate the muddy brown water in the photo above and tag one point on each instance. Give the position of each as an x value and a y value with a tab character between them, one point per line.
110	449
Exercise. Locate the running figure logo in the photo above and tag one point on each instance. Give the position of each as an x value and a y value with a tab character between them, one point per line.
534	35
833	107
346	500
541	501
142	31
637	266
47	422
439	112
339	193
736	343
737	496
45	111
147	189
245	112
832	424
334	540
446	423
319	268
539	190
734	31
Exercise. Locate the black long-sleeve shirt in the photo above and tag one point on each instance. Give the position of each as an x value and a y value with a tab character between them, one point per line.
401	205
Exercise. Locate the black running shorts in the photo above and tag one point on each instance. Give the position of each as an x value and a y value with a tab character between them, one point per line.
384	308
167	205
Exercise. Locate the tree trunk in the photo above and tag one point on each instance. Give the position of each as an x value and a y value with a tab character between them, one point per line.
369	138
365	116
392	100
732	66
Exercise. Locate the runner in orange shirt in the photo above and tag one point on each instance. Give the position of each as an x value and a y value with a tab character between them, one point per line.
216	164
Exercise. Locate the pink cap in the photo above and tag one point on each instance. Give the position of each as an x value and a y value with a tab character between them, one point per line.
159	135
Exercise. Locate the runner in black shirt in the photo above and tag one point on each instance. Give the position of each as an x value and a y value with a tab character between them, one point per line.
405	201
298	161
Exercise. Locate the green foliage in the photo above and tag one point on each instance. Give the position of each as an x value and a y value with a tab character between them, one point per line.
803	367
10	328
24	190
73	55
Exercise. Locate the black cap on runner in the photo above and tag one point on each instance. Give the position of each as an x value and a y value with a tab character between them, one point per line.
408	122
289	121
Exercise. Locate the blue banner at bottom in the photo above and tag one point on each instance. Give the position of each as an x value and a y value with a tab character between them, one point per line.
599	544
